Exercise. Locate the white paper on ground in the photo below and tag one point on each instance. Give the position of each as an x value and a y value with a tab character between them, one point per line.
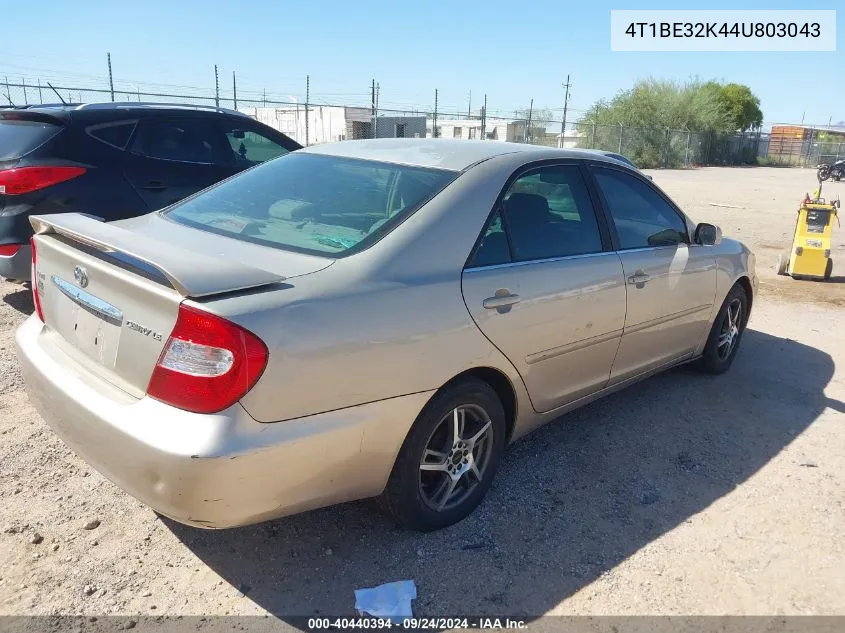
391	600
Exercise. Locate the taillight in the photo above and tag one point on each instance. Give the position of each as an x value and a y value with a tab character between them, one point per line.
26	179
34	275
7	250
207	364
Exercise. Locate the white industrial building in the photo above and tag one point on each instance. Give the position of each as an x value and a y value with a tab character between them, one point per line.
494	129
329	124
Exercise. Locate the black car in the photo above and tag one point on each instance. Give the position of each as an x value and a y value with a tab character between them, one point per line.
115	161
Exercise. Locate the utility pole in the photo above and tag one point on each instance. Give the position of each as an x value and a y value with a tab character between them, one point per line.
26	99
434	118
528	125
8	94
469	105
40	98
375	128
111	79
216	88
484	119
265	97
565	106
373	109
234	91
307	97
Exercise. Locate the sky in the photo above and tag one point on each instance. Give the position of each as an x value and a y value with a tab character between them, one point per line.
510	51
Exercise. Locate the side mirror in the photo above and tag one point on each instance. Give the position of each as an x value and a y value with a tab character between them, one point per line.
707	234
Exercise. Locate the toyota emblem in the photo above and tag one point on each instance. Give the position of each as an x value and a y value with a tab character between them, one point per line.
80	275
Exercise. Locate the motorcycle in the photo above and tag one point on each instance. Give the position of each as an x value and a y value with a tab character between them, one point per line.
836	171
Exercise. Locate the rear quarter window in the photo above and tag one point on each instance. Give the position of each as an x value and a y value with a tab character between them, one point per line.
18	138
115	134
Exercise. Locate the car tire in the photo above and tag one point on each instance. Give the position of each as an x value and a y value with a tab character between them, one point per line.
437	481
726	333
783	263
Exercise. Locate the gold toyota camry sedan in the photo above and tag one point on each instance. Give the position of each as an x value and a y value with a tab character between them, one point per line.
368	318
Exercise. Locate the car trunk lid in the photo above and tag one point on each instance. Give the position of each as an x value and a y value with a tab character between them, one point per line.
110	296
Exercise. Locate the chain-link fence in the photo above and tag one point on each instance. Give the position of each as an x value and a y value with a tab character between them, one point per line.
311	123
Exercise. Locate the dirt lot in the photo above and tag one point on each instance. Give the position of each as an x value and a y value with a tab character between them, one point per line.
684	495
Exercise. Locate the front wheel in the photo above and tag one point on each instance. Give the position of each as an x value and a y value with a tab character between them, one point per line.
824	172
449	459
726	333
828	269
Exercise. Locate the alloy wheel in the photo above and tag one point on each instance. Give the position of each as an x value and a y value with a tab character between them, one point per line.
456	457
729	333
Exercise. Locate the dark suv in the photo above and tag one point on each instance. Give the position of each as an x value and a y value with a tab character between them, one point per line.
114	161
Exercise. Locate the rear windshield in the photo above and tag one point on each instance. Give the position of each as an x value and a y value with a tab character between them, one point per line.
21	137
311	203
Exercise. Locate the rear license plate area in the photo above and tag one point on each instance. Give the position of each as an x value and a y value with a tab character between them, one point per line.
91	325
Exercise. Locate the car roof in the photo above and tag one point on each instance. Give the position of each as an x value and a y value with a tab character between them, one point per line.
450	154
68	110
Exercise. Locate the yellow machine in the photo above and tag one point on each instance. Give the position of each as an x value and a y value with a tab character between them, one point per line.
809	257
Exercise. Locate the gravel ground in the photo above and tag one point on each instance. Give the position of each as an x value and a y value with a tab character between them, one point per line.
684	495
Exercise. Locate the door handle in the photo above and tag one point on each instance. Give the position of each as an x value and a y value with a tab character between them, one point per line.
500	301
154	185
638	279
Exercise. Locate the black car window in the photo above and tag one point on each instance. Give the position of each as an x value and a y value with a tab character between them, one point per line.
249	146
547	213
182	140
641	216
114	134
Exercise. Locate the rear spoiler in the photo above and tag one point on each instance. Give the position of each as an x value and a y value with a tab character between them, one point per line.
190	273
19	113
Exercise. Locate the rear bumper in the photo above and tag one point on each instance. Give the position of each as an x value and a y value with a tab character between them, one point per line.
219	470
17	266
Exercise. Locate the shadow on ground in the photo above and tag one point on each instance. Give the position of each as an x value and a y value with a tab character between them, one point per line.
20	299
571	501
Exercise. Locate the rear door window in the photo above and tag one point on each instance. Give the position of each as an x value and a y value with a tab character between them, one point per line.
18	138
181	140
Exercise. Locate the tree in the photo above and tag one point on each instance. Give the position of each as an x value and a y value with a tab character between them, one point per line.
541	120
653	122
742	107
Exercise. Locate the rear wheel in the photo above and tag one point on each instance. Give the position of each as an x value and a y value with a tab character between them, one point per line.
783	263
828	269
726	333
449	459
